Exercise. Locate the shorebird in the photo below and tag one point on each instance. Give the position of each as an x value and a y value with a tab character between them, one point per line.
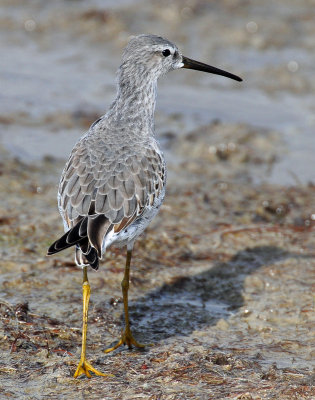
113	183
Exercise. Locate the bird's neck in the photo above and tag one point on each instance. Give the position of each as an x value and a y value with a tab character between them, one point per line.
135	102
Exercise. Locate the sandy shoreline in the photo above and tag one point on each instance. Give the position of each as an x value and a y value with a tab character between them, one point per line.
226	300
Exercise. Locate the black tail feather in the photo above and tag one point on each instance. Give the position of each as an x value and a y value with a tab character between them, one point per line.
78	232
76	236
86	254
62	244
92	258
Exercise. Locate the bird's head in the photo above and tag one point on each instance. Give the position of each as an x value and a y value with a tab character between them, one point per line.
151	55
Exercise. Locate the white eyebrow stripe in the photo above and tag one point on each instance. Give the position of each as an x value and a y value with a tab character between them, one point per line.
161	48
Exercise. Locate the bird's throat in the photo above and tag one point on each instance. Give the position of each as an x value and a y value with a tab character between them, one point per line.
135	102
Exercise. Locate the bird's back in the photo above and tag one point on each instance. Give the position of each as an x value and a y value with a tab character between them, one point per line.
112	179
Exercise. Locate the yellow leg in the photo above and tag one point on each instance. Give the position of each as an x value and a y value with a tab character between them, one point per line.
126	337
85	367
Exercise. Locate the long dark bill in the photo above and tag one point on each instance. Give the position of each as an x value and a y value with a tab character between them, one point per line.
192	64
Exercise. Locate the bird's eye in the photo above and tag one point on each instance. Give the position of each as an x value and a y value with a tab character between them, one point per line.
166	52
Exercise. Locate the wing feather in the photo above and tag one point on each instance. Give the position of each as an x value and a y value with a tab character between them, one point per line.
97	227
110	190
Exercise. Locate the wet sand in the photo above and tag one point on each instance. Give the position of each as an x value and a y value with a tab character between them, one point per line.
222	281
221	284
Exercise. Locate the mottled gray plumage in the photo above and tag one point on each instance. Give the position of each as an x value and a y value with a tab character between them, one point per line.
114	181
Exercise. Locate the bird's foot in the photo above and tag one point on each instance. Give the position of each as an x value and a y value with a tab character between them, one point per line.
126	339
85	367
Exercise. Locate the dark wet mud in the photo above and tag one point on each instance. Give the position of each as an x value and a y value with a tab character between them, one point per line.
222	282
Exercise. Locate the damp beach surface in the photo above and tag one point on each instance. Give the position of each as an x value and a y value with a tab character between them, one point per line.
222	282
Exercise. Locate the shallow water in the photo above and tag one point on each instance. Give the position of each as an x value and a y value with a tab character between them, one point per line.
59	74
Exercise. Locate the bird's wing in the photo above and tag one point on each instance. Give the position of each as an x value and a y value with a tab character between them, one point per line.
111	191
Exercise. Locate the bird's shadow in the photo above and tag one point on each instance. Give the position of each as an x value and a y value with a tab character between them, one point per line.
199	301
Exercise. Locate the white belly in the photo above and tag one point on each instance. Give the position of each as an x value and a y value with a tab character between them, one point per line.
130	234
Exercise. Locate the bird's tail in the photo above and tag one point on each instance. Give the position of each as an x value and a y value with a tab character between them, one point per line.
77	236
89	258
